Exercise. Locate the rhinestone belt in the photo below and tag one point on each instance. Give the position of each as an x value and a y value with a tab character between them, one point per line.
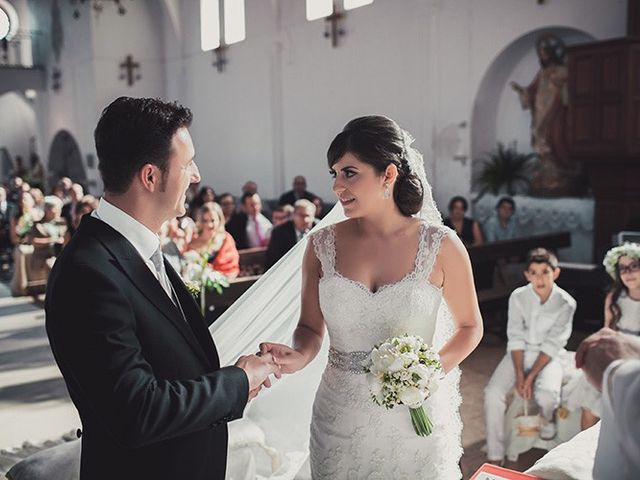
353	362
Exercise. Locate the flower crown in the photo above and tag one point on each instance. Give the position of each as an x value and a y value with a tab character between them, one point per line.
610	261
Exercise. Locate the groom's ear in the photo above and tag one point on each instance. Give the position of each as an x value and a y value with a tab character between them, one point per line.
149	177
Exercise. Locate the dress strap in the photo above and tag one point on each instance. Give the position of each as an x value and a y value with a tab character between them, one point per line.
432	236
324	246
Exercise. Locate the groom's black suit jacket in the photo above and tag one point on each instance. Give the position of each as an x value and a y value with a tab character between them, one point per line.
153	400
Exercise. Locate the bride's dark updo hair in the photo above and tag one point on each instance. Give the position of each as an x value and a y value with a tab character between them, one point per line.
380	142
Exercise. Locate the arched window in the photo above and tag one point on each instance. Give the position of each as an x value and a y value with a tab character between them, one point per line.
8	21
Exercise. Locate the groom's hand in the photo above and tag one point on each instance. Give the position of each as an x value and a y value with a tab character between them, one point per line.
258	370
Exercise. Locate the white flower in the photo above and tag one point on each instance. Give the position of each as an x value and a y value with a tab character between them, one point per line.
412	397
423	373
385	360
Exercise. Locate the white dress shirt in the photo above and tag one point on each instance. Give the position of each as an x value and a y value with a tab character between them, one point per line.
539	327
618	453
143	240
265	229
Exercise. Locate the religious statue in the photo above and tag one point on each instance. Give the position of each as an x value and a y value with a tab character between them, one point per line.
546	97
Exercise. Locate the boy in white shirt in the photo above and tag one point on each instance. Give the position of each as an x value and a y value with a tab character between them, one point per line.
539	325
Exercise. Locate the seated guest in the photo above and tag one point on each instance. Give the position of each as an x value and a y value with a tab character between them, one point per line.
539	324
228	204
621	313
249	227
6	213
611	362
24	216
38	200
86	205
285	236
51	230
212	239
250	187
320	213
15	189
467	229
281	214
204	195
69	209
299	191
502	226
63	189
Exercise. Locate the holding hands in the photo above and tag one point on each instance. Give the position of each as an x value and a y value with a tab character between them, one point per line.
289	359
272	359
258	369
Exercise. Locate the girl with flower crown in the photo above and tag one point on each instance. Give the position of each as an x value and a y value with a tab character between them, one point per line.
621	313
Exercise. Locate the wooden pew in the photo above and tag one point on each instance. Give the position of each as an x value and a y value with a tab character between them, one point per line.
482	257
252	261
221	302
493	299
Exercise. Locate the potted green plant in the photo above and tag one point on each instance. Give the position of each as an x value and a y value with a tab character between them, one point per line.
505	170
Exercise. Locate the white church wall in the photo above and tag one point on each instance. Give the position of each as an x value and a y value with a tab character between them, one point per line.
138	33
72	106
233	130
17	126
285	92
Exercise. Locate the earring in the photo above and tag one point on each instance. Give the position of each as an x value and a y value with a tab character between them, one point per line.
387	193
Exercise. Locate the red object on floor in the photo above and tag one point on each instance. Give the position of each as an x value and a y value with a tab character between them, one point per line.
493	472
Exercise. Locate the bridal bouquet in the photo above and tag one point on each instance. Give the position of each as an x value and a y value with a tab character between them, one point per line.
405	371
198	276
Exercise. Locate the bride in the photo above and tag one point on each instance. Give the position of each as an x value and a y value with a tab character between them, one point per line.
390	269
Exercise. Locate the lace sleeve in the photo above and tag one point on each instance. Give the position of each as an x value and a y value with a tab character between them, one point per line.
324	248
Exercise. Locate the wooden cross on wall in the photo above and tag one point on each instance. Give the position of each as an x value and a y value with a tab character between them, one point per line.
220	54
130	70
334	28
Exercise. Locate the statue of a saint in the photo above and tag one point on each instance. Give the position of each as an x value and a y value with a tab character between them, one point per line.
546	97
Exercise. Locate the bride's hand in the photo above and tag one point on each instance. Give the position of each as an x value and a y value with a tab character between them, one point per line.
289	359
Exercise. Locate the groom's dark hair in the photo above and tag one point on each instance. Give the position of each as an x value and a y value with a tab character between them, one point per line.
132	132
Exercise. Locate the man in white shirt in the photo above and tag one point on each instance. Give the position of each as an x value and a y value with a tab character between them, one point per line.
611	362
539	325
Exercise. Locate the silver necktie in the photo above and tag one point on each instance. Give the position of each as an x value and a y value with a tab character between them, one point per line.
158	263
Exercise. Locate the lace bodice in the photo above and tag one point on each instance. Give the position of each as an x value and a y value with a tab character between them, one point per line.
358	318
351	437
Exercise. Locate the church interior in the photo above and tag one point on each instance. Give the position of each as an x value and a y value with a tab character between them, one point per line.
526	112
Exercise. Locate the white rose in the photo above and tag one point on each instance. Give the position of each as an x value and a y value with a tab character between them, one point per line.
380	361
396	365
412	397
423	373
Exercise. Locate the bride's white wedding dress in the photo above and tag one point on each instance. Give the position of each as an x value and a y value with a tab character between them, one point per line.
351	437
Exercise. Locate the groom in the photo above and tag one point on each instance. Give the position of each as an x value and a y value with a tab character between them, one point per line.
135	353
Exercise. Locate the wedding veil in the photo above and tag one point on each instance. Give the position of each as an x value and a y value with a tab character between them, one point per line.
269	311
